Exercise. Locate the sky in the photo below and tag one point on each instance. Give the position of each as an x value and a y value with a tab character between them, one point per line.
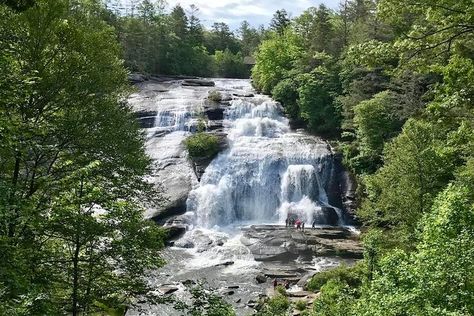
256	12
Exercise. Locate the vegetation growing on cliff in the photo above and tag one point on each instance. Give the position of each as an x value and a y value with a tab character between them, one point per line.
202	145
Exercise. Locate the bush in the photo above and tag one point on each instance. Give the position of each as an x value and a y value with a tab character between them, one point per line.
353	276
281	289
276	306
336	299
215	96
300	305
286	92
316	106
202	145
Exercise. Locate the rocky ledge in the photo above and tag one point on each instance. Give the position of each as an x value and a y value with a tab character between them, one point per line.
284	244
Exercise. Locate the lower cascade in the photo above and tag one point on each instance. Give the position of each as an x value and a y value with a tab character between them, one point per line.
268	173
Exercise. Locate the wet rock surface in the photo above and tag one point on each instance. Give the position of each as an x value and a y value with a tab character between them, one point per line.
276	243
218	262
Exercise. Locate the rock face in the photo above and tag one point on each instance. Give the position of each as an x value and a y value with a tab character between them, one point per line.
276	243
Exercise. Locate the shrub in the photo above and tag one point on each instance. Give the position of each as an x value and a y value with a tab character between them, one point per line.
215	96
276	306
286	92
351	275
202	145
280	289
300	305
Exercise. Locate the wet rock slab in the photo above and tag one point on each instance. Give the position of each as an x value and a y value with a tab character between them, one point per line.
279	243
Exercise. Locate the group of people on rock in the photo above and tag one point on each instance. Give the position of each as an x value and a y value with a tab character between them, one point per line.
292	222
296	222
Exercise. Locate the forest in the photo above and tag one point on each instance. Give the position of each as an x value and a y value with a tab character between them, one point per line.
389	83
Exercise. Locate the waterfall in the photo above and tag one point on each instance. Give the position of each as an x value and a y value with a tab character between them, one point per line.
267	173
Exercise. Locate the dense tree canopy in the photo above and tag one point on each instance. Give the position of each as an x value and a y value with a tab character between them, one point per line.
392	82
176	43
72	163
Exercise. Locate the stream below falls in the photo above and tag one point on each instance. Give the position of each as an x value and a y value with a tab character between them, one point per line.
233	210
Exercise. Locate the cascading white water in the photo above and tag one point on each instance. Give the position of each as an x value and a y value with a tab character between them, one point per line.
176	110
267	173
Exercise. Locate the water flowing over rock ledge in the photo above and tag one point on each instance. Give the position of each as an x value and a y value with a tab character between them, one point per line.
222	214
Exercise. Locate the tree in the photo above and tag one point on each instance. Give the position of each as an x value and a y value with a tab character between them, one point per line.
72	165
221	38
286	92
250	38
280	21
274	58
437	278
376	122
230	65
316	29
316	106
417	166
146	10
434	28
196	34
179	22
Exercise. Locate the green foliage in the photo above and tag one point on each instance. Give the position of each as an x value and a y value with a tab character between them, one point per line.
336	299
229	65
274	58
316	106
437	278
205	302
351	275
300	305
278	305
72	166
215	96
376	122
155	42
202	145
280	21
286	92
281	290
417	166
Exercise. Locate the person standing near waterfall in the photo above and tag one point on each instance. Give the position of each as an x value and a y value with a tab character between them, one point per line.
298	224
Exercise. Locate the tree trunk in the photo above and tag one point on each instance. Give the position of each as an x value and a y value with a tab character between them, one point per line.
16	175
75	282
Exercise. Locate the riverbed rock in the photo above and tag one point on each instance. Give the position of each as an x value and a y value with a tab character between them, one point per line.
198	83
279	243
261	278
167	289
174	232
214	112
136	78
244	95
225	264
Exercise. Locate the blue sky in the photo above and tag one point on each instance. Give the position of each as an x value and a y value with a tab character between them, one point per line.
256	12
